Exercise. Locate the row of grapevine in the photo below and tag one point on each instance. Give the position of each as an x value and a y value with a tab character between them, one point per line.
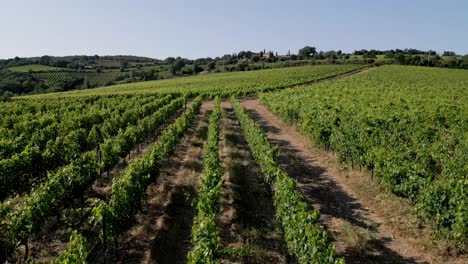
37	128
19	109
94	78
406	125
205	236
120	146
25	127
31	130
47	199
76	252
129	189
305	239
71	180
33	162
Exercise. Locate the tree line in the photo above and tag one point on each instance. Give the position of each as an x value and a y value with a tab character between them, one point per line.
133	67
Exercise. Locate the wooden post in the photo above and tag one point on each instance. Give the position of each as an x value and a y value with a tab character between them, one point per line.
26	249
100	160
116	244
104	236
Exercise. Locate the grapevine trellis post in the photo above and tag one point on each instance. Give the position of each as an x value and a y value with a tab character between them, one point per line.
100	159
104	236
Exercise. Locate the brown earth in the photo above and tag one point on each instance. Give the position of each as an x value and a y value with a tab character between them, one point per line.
162	232
247	216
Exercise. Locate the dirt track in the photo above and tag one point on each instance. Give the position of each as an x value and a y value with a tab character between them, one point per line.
247	217
326	187
162	231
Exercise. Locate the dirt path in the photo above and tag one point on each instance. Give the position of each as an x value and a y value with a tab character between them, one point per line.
163	227
247	217
344	75
361	234
335	77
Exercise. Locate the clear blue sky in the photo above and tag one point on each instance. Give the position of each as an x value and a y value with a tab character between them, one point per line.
200	28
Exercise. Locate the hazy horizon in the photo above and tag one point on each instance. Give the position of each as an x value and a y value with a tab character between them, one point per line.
209	28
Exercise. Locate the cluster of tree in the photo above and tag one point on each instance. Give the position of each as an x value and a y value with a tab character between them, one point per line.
249	60
400	56
183	67
431	61
390	53
141	75
418	57
79	62
12	83
67	83
17	83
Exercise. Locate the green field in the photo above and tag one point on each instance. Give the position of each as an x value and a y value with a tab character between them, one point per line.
34	68
83	167
406	125
224	84
65	141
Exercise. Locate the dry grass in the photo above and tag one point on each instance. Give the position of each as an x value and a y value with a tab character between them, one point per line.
247	222
354	238
395	212
187	177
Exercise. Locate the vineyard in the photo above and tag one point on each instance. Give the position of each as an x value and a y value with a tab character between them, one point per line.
406	125
92	79
184	171
225	84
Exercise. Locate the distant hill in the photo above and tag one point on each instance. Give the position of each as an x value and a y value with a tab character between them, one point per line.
51	74
81	62
34	68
